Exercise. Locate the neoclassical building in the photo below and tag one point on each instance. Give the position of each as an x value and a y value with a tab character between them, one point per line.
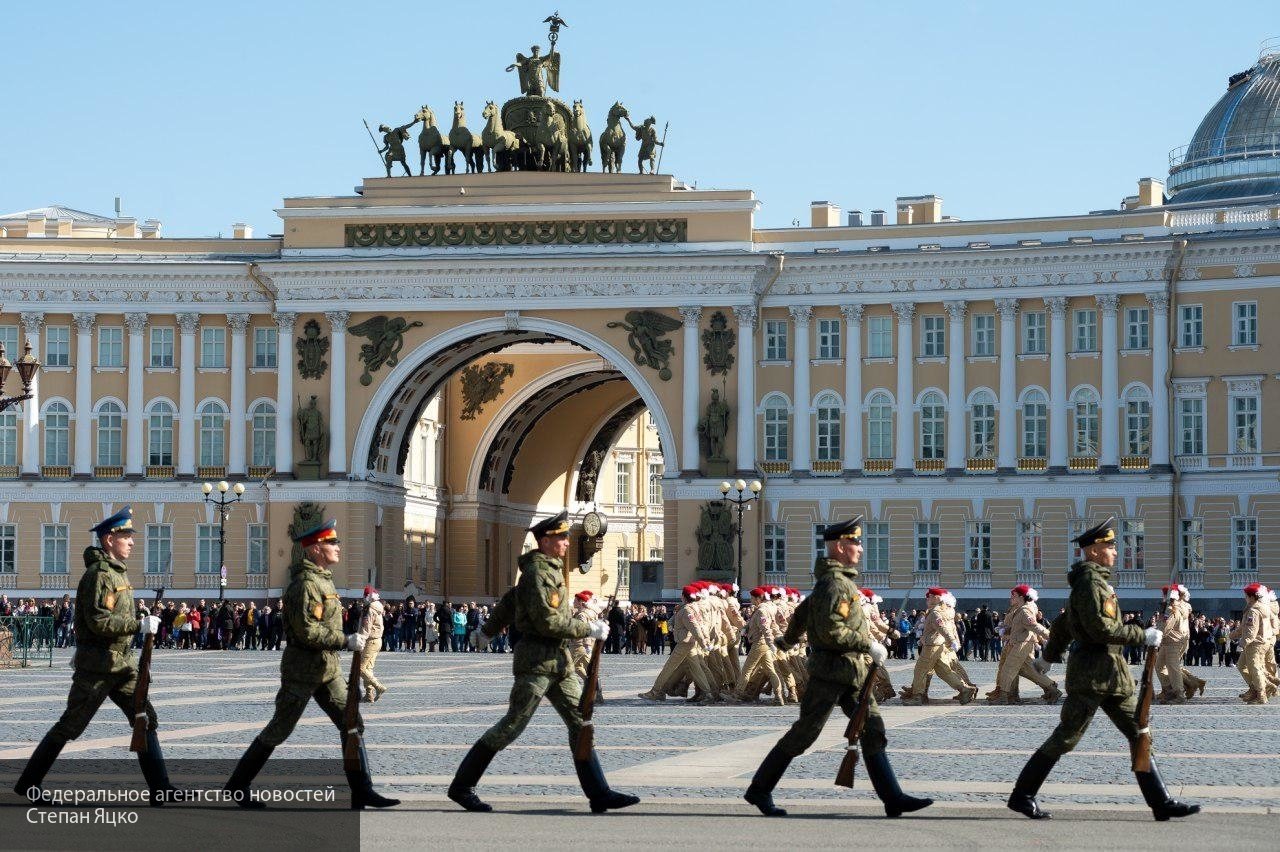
483	349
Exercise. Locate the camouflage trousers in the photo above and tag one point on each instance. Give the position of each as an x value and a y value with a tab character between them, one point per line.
563	690
1078	711
88	691
292	700
368	657
820	698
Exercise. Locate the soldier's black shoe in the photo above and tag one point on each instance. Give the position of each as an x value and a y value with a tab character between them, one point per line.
602	799
251	763
1023	797
896	802
151	762
1163	806
37	767
472	768
771	770
362	793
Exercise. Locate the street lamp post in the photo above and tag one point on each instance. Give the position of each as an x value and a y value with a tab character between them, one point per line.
742	498
28	365
223	502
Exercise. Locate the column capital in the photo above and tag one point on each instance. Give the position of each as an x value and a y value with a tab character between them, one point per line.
691	314
1007	308
746	315
84	321
239	323
906	311
32	321
852	313
801	313
338	320
955	309
285	321
137	323
1057	305
1159	301
1109	303
188	323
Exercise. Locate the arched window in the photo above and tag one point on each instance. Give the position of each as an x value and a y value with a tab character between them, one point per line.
827	411
264	435
57	434
880	426
982	425
933	441
1137	421
777	429
9	437
1084	422
110	434
160	435
213	419
1035	425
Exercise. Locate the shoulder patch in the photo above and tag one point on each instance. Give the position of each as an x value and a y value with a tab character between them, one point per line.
1109	607
110	600
318	610
555	599
842	607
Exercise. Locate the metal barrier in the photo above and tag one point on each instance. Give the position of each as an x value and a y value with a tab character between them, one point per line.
26	640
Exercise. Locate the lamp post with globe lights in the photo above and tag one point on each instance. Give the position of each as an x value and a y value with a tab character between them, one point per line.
223	502
742	498
28	365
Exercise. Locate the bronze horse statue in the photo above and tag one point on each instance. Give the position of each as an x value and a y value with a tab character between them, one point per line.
462	139
548	143
501	146
613	141
431	142
579	140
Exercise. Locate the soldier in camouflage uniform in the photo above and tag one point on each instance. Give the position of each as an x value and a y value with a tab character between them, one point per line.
104	663
841	645
1097	675
309	668
540	610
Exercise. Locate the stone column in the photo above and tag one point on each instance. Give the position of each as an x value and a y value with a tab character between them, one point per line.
803	418
1058	443
1159	385
83	459
188	324
1108	408
852	387
691	316
955	386
904	451
746	413
134	447
284	392
1007	430
236	457
337	390
32	322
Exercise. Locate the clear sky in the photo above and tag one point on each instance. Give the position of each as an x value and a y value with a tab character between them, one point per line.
202	114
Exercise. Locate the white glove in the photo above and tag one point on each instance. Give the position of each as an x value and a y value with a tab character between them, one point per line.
599	631
955	646
878	654
151	624
355	642
1153	637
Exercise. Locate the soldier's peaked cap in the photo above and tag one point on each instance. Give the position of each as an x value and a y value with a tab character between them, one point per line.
850	529
555	525
1105	531
326	532
120	522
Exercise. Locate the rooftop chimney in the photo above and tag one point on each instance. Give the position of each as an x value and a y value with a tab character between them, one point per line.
151	229
855	218
924	209
63	227
126	228
35	225
824	214
1150	192
877	217
241	231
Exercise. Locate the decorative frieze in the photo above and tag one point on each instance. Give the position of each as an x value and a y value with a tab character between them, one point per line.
582	232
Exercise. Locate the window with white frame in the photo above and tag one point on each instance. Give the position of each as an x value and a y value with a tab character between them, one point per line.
1033	336
1137	328
265	341
777	430
624	473
57	434
161	346
879	337
1075	526
1084	422
775	340
928	547
1137	421
655	555
1244	424
1132	544
263	445
8	549
159	544
775	549
880	426
9	340
1191	544
213	434
982	425
1035	425
57	346
207	549
55	540
623	556
1244	544
984	335
829	338
1191	434
1245	324
160	435
110	434
933	414
933	336
978	546
9	437
258	553
875	545
1191	326
213	347
110	346
1030	546
827	413
1086	331
819	546
655	483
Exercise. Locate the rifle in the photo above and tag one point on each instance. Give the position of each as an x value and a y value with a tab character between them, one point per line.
138	743
351	746
1141	748
587	703
858	721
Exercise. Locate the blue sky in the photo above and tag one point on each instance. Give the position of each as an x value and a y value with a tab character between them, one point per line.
204	114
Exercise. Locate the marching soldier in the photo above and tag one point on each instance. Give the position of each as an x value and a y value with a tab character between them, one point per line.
1176	683
371	629
1258	640
686	659
1097	676
759	668
104	664
1023	636
1273	682
788	663
542	668
841	644
937	655
883	632
309	668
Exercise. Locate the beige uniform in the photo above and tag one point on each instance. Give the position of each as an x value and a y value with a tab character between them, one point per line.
1023	636
580	649
760	668
1175	681
686	660
371	629
937	653
791	665
1256	635
880	630
732	626
1270	654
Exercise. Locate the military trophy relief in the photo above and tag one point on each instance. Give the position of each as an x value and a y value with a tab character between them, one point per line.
646	335
715	534
386	339
482	383
312	348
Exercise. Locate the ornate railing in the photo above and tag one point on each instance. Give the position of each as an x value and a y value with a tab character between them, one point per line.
55	471
1083	463
8	580
982	464
931	466
776	467
1240	579
108	471
54	581
1033	464
1135	462
255	581
1035	579
877	467
159	471
1131	579
874	579
1192	579
827	466
977	579
207	581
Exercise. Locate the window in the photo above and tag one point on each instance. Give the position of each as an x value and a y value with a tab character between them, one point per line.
655	483
1137	328
928	547
829	338
982	425
1086	331
777	429
9	437
978	550
775	340
1191	544
264	348
1035	425
8	549
1132	536
257	536
880	426
775	549
159	545
207	547
1137	422
9	340
57	434
54	542
1244	424
263	450
624	469
162	346
984	335
1075	526
110	434
624	557
1191	426
1030	546
1191	326
1033	340
650	573
933	337
213	419
1246	324
879	337
160	435
933	412
1244	544
111	346
819	546
57	346
1084	422
875	545
213	347
827	410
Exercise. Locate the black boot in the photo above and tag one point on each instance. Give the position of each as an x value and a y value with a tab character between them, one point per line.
462	790
760	793
896	802
153	769
362	793
602	799
1023	797
1163	806
37	767
255	757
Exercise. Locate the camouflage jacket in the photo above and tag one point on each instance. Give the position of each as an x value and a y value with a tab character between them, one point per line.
312	624
105	616
838	630
1091	624
544	616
